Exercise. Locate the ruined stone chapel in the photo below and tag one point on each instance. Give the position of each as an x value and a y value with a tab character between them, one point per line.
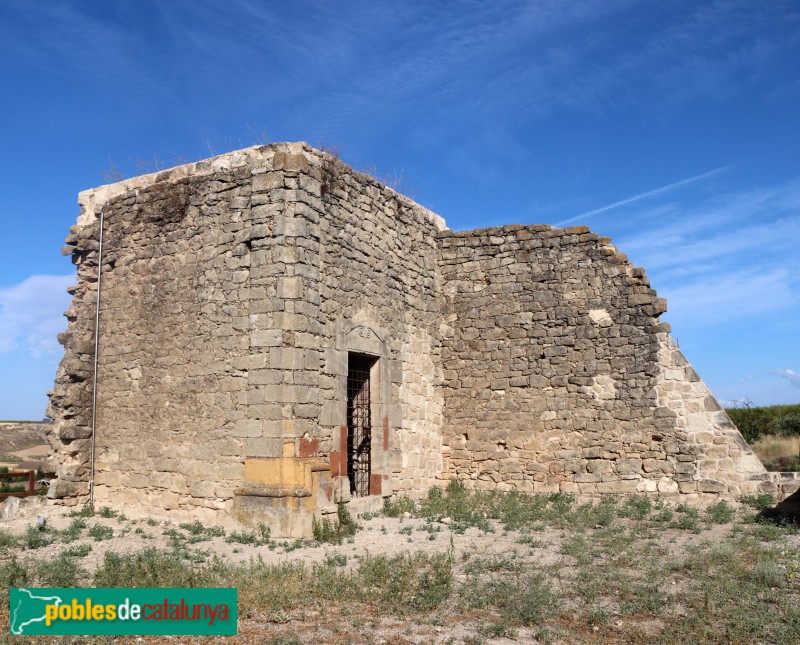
279	333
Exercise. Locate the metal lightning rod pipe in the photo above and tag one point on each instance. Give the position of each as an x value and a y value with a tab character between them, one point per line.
96	352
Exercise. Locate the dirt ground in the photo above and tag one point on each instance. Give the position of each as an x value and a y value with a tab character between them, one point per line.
376	536
619	551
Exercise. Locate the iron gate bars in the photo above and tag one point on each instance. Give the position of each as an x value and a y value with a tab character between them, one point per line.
359	430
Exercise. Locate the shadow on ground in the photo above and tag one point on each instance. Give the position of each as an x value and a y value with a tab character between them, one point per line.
787	511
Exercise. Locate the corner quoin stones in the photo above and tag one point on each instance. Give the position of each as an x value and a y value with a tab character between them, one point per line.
235	289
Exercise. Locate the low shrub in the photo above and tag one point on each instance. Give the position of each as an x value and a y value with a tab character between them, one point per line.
688	518
84	511
636	507
397	507
760	502
334	532
720	512
146	568
406	582
99	532
526	600
35	537
61	571
7	539
12	574
78	551
787	425
74	530
257	537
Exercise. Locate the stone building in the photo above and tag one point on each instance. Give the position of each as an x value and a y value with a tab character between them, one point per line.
279	333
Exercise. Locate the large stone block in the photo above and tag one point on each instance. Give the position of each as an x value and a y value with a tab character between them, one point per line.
290	288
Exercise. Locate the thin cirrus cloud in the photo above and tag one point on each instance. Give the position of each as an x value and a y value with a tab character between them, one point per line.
790	375
715	299
759	225
731	257
644	195
31	315
368	61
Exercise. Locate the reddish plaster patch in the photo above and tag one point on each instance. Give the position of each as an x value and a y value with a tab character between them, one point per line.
335	463
375	484
386	432
343	450
309	447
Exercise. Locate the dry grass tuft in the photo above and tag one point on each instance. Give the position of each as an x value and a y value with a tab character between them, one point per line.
773	446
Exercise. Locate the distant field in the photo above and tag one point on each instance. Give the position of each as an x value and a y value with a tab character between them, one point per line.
778	453
22	440
755	422
773	432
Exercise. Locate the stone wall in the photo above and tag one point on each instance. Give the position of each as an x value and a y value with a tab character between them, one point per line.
721	462
175	316
233	291
379	282
558	374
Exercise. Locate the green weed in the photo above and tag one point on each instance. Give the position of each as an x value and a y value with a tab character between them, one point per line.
720	512
397	507
36	537
98	532
767	532
61	571
499	629
688	518
7	539
146	568
12	574
257	537
84	511
493	564
760	502
526	600
336	560
78	551
334	533
74	530
636	507
195	528
408	582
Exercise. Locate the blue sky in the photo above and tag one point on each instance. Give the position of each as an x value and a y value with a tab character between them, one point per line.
672	127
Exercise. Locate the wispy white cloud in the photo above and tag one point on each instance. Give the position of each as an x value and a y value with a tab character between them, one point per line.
645	195
728	258
740	295
31	314
790	375
756	228
376	63
767	387
724	247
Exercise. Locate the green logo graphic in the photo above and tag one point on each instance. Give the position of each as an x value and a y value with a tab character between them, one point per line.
122	612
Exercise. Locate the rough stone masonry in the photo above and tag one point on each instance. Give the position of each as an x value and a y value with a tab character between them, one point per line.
279	333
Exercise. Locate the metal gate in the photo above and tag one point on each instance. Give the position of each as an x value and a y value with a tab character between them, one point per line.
359	430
